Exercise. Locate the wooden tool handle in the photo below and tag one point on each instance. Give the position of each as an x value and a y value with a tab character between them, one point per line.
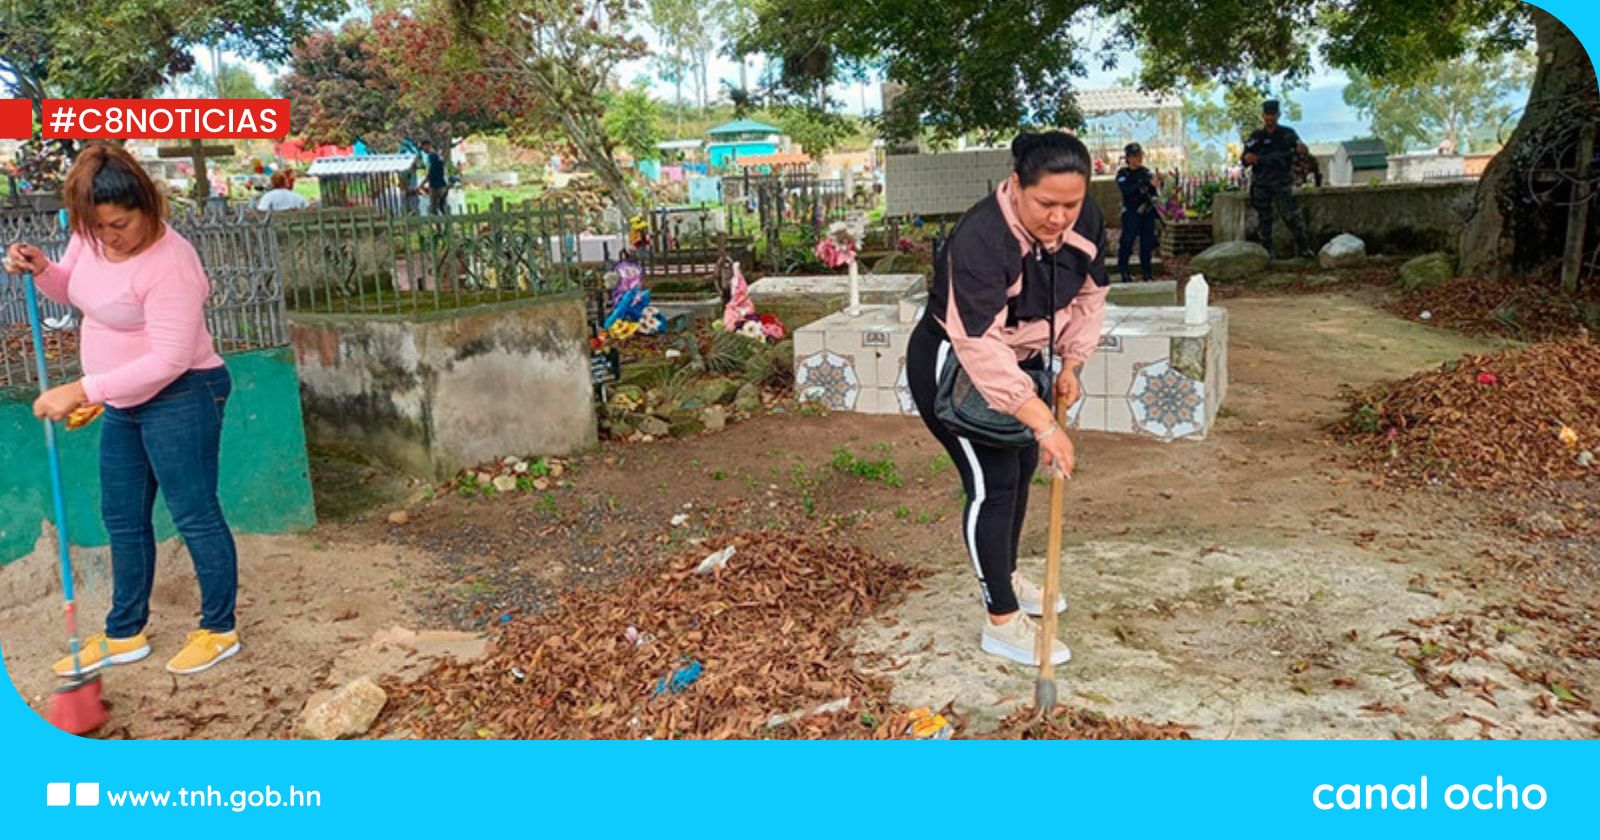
1052	563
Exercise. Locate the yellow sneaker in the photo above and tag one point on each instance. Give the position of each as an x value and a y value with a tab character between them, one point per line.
203	650
93	655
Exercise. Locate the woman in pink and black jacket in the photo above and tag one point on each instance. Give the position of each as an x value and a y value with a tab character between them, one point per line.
990	304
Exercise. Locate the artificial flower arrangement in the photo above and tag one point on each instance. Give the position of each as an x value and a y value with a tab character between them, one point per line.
740	313
838	248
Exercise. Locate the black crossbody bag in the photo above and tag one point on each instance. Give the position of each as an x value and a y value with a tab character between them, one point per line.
961	407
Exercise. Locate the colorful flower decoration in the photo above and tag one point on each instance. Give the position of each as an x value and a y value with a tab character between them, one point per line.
838	248
651	322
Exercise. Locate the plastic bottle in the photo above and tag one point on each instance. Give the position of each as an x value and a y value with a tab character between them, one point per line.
1196	299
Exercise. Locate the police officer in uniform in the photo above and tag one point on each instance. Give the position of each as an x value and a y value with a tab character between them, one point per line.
1139	187
1270	153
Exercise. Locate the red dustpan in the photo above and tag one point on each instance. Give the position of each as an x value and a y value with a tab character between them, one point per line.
76	707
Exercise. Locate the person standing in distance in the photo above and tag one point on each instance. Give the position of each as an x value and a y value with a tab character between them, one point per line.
438	186
1270	153
1138	186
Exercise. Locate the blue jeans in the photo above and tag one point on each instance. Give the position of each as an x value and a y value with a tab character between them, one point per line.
171	442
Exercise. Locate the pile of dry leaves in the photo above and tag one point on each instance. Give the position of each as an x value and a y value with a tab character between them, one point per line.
1530	308
1068	722
754	648
765	630
59	345
1517	419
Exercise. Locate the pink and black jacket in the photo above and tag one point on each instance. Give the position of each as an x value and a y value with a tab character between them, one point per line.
991	295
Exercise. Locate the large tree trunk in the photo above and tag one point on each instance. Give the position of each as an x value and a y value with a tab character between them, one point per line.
1519	218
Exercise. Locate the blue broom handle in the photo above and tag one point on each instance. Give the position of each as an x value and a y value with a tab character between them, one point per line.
60	497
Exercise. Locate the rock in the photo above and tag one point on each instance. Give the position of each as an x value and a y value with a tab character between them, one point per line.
347	713
505	483
1585	458
748	398
399	517
484	478
686	423
651	426
1343	251
715	418
520	468
1230	261
1543	523
1426	271
1316	280
556	469
717	391
541	483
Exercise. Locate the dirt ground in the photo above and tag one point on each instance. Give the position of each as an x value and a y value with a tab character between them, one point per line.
1248	586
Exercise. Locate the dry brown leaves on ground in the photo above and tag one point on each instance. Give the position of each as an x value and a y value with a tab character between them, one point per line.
1515	419
767	631
1071	722
1521	307
18	345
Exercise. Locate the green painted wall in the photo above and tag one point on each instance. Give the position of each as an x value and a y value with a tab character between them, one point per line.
266	481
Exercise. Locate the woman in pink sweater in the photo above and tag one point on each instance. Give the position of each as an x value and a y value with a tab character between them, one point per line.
148	357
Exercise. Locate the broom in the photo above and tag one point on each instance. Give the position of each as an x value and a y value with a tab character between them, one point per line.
76	707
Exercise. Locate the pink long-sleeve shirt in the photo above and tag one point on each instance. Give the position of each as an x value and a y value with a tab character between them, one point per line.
144	319
990	352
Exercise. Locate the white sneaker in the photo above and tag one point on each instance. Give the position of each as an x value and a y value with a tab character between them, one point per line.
1016	640
1030	596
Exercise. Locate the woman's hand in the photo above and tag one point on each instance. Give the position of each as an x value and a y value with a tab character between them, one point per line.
58	402
1056	451
24	257
1068	388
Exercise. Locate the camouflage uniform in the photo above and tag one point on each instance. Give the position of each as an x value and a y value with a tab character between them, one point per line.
1272	183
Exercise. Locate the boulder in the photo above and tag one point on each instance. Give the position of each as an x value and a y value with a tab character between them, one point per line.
1426	271
652	426
686	424
714	418
717	391
347	713
1231	261
1343	251
748	398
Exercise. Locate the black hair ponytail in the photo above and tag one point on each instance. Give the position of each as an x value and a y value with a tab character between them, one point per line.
1035	155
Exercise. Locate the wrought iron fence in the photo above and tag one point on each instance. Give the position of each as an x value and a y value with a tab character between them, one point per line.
332	261
689	242
362	261
244	312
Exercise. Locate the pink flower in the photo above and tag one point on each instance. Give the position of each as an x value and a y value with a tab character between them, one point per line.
1487	378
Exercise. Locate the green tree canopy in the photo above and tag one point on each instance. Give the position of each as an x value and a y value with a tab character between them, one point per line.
130	48
1465	100
631	120
993	65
